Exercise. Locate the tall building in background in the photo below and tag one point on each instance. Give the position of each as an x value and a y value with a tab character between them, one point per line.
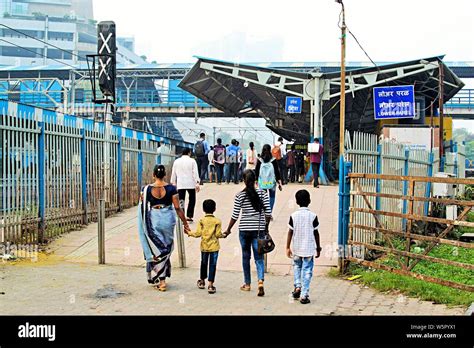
68	24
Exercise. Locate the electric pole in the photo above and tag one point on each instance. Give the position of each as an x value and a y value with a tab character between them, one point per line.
342	117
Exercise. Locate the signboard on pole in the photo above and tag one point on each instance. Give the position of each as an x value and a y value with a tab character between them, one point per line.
394	102
294	105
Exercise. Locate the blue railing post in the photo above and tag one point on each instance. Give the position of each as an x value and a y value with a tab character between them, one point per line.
406	170
346	205
41	184
119	174
140	170
85	219
378	184
428	185
340	234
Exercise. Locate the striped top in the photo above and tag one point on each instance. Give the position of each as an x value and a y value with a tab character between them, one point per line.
249	219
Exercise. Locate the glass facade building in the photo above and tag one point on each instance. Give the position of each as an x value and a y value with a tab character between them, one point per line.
68	24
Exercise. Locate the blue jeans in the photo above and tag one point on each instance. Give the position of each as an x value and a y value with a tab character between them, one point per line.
233	172
220	172
303	269
209	260
249	242
272	196
226	172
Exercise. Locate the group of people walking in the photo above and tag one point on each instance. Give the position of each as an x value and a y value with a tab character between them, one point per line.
162	202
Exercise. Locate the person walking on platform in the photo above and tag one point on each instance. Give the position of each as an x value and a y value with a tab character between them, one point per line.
185	176
268	174
291	163
301	166
159	205
251	157
219	161
316	159
232	158
201	150
279	153
252	206
212	166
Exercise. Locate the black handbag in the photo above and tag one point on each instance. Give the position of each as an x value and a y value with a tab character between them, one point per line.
265	242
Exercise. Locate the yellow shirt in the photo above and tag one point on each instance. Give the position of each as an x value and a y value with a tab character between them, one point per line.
209	230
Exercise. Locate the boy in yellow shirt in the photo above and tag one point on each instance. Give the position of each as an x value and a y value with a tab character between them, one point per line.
209	230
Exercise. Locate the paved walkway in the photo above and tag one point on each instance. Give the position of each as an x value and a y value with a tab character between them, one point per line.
123	246
74	289
68	280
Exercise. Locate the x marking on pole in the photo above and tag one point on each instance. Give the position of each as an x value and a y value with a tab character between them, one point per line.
105	44
103	67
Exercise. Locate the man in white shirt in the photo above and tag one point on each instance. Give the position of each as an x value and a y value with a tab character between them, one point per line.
185	176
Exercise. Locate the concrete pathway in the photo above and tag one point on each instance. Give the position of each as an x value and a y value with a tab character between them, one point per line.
67	280
123	246
65	288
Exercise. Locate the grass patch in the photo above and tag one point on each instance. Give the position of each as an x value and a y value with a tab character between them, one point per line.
386	281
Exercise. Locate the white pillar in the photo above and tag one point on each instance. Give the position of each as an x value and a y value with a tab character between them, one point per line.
316	109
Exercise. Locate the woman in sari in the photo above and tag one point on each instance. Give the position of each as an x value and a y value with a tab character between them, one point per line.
159	204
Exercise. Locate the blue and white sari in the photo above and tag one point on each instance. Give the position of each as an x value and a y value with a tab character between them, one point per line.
156	232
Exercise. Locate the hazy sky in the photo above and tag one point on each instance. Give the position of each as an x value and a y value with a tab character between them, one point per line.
298	30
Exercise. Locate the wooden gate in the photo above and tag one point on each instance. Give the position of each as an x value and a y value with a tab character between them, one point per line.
396	240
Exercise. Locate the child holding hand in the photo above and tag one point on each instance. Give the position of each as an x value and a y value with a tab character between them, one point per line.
209	229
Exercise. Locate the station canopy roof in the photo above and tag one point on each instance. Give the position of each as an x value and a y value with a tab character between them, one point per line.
239	90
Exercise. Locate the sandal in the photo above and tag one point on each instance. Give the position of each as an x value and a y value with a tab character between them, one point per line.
296	293
245	287
162	287
201	284
211	289
261	290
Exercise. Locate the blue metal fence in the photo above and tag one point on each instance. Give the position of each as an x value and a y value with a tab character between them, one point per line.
366	155
52	175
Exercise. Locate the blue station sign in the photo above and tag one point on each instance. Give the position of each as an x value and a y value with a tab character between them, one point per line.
394	102
294	105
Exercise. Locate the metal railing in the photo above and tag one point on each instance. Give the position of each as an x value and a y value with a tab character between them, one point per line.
464	99
165	97
133	98
52	174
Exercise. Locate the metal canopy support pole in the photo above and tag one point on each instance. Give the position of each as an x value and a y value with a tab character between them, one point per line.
316	109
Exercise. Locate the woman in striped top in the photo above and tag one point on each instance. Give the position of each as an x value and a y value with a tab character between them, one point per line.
253	207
